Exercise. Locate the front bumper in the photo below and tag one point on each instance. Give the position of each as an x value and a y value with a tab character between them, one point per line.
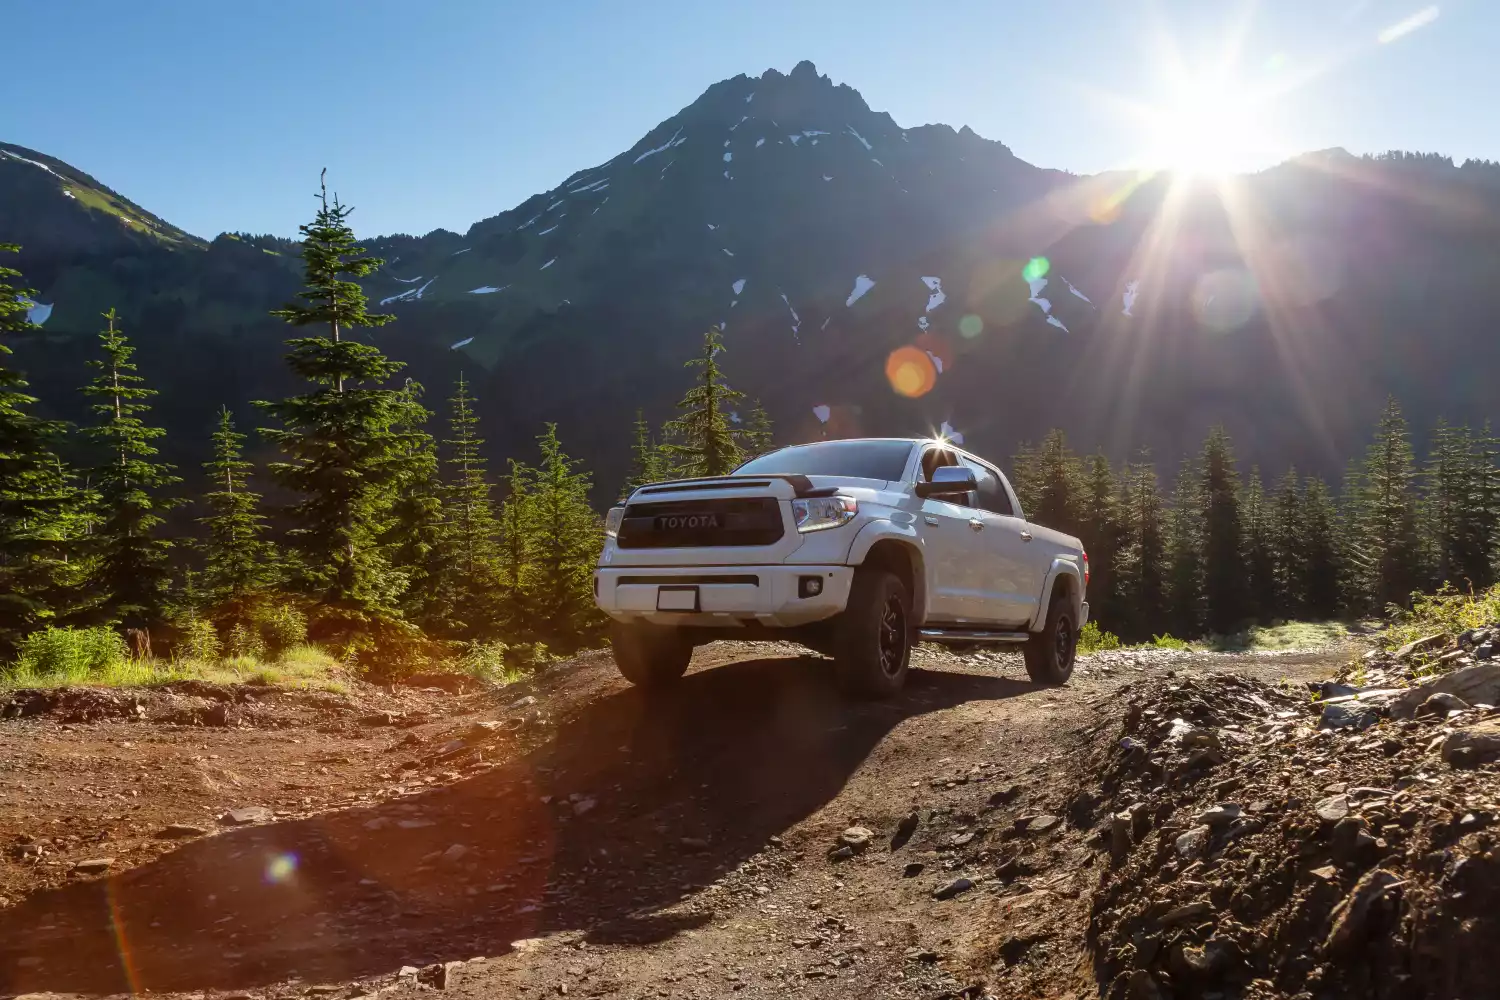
727	596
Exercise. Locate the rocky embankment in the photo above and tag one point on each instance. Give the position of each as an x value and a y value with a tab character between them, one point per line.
1275	841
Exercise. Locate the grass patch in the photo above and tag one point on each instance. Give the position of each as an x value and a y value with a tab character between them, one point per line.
57	657
1287	636
1093	639
1448	611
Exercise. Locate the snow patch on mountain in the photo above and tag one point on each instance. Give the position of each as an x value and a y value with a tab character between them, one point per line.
825	322
544	232
664	170
750	98
548	264
487	289
937	298
922	323
712	226
728	157
34	163
674	141
528	222
822	412
407	281
810	132
738	124
599	206
796	320
70	194
1057	323
828	177
859	137
795	139
410	295
1076	291
462	343
937	362
1131	291
739	286
554	205
728	251
1036	285
457	252
727	177
598	185
760	142
948	433
862	284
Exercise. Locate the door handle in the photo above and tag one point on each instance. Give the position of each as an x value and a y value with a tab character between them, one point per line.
1025	536
976	524
931	520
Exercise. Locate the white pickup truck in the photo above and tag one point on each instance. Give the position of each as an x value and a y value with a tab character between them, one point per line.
856	548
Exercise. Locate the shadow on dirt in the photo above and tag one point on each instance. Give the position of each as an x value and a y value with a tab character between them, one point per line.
633	803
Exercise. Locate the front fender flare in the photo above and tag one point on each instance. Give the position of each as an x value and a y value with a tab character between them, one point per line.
1060	567
883	530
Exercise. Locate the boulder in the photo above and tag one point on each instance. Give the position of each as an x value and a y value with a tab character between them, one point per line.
1476	684
1473	745
1418	645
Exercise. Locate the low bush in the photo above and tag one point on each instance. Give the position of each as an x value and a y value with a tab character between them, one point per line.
1093	639
69	654
504	663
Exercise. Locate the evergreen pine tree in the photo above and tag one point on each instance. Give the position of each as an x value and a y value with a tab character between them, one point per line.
1457	526
1287	546
418	545
647	460
567	538
129	579
517	551
237	560
1186	543
37	504
344	449
1390	511
1058	488
1103	536
1223	536
470	510
1144	563
1257	517
702	441
1318	537
756	438
1355	565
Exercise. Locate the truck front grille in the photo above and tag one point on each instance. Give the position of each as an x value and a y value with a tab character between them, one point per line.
701	523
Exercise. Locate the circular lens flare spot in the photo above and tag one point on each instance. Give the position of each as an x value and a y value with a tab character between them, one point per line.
281	868
971	326
1036	267
1223	300
910	371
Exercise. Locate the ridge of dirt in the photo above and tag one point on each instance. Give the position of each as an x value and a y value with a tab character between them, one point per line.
585	838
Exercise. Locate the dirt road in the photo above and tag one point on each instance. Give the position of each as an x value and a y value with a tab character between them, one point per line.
587	840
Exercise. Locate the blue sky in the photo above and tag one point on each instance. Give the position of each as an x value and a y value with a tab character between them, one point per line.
443	112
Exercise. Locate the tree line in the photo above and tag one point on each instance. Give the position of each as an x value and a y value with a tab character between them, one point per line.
394	543
1219	551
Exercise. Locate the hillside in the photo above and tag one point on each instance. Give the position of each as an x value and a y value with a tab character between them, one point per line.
1130	311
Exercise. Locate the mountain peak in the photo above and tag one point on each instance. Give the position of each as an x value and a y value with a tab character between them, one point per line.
805	70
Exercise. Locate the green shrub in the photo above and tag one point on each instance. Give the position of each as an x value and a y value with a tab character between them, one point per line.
502	662
244	641
1093	639
197	639
281	627
1168	642
70	654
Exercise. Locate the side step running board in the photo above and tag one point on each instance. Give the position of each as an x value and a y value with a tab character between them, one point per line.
966	635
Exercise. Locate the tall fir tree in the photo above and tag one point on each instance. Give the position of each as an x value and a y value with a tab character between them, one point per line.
470	509
237	560
1287	545
518	548
703	442
1458	529
38	506
1257	519
130	574
1186	575
1389	511
417	544
343	440
1223	536
1103	536
1052	479
647	460
1319	549
567	539
1356	567
1144	561
756	437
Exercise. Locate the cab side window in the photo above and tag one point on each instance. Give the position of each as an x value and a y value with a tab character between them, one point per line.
991	495
937	458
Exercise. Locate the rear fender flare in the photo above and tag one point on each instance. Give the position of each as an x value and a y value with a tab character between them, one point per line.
905	535
1060	568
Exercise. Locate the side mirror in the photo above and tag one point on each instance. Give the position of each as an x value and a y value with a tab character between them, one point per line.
948	480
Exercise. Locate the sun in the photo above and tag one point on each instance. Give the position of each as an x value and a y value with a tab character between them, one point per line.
1207	128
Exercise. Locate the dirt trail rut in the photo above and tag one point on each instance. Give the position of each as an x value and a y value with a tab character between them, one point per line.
634	847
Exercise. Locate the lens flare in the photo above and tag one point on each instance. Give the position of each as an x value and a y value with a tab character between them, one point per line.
970	326
1036	267
1223	300
910	371
281	868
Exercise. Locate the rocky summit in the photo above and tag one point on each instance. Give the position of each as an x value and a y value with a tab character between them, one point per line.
825	236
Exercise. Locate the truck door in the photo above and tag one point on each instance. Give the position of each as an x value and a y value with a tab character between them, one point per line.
949	537
1011	574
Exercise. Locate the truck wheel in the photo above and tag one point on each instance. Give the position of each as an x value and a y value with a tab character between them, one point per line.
649	656
874	635
1050	652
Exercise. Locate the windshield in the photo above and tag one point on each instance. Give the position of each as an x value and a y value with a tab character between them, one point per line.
851	459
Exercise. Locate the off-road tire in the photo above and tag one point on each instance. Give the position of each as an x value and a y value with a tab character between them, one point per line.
1050	653
650	656
874	635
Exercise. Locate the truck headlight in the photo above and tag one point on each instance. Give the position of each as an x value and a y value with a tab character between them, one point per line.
612	521
817	513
